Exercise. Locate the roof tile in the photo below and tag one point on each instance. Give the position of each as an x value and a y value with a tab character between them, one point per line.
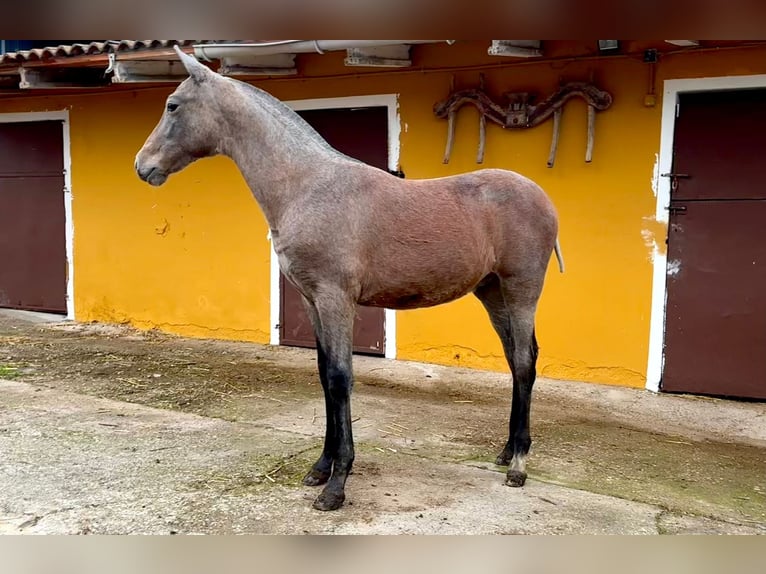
71	50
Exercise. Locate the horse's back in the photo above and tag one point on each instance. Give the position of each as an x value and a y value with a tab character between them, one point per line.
430	241
505	200
518	216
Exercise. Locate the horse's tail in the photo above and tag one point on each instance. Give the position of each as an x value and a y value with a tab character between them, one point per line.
557	249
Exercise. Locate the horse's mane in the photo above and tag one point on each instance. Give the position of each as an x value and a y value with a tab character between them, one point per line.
290	119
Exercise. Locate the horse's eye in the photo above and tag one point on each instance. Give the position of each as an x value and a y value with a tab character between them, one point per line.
172	107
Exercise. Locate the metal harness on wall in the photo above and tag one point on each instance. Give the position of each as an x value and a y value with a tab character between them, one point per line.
520	114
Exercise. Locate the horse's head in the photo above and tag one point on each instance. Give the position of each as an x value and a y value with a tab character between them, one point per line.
188	129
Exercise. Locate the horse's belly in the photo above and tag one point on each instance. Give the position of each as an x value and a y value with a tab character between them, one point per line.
411	300
426	293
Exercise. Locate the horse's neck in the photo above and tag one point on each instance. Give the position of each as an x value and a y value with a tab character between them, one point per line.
278	157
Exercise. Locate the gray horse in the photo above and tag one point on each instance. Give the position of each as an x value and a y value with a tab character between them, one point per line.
347	233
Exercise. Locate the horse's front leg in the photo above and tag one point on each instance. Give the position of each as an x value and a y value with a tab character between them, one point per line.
322	469
335	314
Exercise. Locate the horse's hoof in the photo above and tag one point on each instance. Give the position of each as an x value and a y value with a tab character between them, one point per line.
316	478
515	478
503	459
329	500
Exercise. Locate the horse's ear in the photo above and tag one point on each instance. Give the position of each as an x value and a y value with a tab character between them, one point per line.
197	71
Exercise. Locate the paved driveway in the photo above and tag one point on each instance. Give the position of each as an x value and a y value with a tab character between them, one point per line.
108	430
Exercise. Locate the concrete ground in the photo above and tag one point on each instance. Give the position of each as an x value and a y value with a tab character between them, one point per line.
108	430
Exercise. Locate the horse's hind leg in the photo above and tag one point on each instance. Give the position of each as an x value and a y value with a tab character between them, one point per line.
490	294
512	310
524	367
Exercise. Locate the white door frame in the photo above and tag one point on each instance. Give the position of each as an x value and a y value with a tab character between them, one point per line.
671	91
63	116
389	101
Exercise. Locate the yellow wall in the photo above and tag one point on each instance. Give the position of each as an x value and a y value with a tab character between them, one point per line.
593	320
192	258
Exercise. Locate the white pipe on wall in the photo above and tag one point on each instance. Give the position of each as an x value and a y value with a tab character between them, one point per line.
228	50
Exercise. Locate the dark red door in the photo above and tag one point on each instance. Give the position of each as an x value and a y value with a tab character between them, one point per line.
361	133
33	267
715	327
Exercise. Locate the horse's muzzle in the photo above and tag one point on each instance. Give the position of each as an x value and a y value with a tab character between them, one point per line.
152	175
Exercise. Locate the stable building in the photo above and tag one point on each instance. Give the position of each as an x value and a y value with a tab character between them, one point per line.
651	151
